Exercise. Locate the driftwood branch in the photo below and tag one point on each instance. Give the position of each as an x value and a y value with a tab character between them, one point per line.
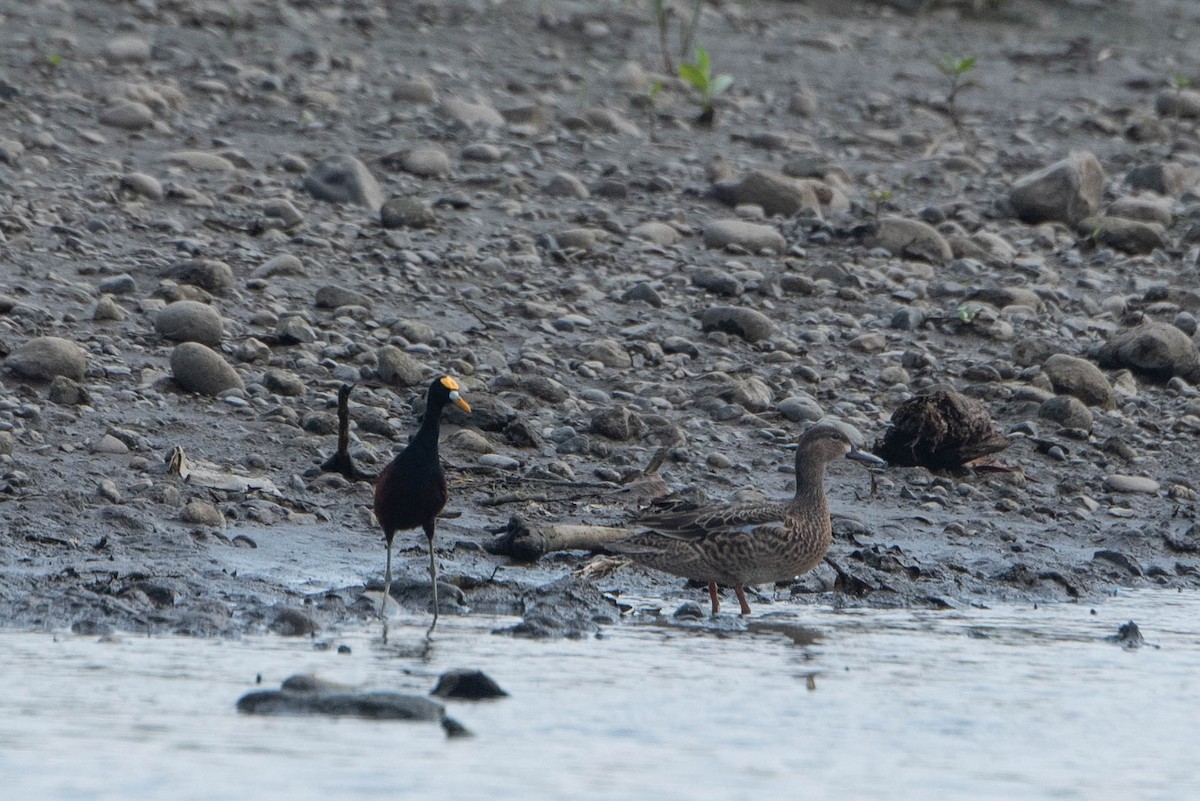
523	543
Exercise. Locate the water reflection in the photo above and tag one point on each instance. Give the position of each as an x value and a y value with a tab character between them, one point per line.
1009	702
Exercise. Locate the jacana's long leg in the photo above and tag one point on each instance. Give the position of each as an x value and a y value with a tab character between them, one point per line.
429	529
712	593
387	579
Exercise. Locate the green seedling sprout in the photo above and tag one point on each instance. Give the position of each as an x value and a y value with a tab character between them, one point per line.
955	71
699	75
878	197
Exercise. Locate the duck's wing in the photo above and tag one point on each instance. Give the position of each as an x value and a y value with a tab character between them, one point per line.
705	521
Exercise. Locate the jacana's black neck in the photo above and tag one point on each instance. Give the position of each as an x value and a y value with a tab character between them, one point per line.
430	423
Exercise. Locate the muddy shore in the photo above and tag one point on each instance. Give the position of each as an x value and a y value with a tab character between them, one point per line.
534	208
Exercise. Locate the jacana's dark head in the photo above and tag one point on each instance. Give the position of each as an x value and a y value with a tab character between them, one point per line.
442	391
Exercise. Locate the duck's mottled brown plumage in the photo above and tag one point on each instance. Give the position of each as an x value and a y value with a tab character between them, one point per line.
749	543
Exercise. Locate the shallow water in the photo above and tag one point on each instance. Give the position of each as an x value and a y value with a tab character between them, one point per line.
1010	702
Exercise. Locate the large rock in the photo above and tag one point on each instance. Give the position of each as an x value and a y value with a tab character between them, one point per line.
190	321
912	239
343	179
1178	103
751	236
396	368
1129	236
1066	191
1146	208
208	274
46	358
774	192
197	368
1071	375
1067	411
748	324
1166	178
1157	350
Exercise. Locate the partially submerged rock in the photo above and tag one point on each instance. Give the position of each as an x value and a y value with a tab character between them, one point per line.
467	685
305	695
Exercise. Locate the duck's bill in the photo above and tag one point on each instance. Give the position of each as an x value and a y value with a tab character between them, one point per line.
460	402
866	458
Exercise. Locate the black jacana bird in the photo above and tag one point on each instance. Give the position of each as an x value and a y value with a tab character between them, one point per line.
411	490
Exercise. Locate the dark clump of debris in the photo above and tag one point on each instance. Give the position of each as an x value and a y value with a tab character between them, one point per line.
941	430
1128	636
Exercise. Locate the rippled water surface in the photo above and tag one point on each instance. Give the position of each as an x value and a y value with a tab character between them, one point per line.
1011	702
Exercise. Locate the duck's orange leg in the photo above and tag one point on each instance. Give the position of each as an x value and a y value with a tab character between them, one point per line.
741	596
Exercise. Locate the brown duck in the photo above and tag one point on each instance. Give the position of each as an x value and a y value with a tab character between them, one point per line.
750	543
411	490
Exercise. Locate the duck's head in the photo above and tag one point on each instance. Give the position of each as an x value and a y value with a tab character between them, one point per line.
445	390
825	442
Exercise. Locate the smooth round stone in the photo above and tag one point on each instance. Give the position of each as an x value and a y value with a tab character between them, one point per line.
343	179
190	321
200	161
749	324
107	310
472	114
45	358
197	368
1131	484
499	461
110	445
128	115
800	409
751	236
406	212
564	184
202	513
127	49
426	162
414	90
718	461
1068	411
142	184
398	369
282	382
657	232
482	152
332	296
468	440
